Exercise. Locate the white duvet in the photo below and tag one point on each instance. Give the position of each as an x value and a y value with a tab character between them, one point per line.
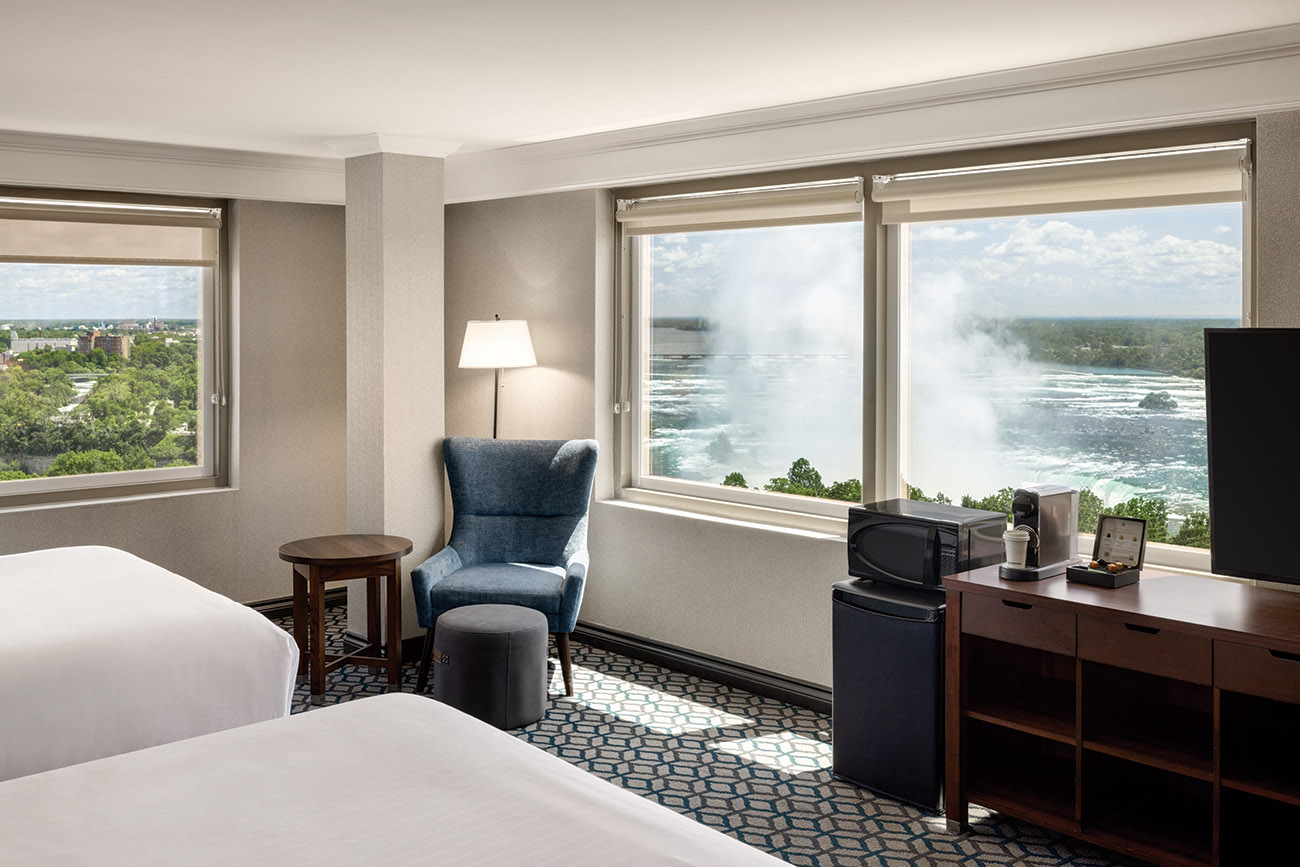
393	779
102	652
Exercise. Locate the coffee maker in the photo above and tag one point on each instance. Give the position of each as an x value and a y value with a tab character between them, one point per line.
1051	515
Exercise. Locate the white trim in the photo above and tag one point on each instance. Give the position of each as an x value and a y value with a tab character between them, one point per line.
387	143
72	162
710	508
1200	81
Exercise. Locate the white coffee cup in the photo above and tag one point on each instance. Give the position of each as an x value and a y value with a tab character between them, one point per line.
1017	542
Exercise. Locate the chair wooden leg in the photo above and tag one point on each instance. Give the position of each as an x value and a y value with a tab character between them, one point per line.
426	658
566	665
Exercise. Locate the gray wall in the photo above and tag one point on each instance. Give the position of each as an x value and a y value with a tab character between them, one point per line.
756	595
288	373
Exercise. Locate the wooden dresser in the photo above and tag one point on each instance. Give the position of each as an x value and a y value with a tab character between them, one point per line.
1161	720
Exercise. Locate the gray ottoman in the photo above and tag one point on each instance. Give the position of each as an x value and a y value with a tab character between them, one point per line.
490	662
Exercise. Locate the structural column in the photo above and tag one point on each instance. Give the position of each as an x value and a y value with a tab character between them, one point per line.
395	418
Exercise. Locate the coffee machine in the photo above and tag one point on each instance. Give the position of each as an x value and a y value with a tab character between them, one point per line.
1051	515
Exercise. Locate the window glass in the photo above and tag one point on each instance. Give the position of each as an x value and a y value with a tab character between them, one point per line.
1068	349
101	371
751	374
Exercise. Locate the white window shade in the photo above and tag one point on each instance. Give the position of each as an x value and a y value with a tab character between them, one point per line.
1199	174
98	233
823	202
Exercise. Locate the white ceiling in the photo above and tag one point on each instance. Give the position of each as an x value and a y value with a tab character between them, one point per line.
285	76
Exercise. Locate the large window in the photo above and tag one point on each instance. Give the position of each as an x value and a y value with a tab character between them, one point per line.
748	369
1066	347
108	355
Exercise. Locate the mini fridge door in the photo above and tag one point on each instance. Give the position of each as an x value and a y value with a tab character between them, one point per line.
887	690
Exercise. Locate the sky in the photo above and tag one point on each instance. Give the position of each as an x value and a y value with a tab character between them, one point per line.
35	291
1183	261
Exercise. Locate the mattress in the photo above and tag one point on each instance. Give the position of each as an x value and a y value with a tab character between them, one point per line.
393	779
102	652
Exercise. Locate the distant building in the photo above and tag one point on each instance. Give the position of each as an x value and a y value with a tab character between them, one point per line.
113	344
27	344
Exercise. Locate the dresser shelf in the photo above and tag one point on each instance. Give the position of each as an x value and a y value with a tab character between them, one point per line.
1160	720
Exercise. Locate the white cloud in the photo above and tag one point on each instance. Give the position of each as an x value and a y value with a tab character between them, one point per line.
943	233
1059	267
1222	230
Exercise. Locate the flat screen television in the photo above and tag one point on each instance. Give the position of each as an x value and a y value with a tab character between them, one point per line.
1252	386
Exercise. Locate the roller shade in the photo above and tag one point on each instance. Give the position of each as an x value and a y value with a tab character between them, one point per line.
102	233
824	202
1190	175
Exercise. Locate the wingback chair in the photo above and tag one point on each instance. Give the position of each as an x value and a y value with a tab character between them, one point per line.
518	535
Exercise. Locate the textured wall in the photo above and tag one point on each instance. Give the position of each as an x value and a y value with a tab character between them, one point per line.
288	372
1277	219
543	259
394	345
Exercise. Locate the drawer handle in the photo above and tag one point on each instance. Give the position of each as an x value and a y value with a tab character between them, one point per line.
1282	654
1021	605
1145	630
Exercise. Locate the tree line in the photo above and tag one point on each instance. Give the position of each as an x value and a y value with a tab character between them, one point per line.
141	413
1171	346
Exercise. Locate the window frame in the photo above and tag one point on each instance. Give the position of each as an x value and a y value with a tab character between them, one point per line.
632	420
212	401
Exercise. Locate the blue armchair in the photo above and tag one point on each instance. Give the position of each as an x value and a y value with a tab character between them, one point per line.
518	535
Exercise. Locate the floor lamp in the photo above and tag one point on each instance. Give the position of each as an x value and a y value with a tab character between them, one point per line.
497	343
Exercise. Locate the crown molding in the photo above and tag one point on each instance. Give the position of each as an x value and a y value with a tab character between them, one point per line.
1219	78
34	159
386	143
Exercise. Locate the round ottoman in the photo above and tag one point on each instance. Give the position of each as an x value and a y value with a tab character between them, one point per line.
490	662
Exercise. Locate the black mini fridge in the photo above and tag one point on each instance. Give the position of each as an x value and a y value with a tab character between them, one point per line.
887	690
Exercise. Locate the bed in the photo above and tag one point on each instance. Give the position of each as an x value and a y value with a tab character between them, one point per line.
392	779
102	652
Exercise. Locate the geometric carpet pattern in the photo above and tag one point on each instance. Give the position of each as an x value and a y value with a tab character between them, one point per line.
752	767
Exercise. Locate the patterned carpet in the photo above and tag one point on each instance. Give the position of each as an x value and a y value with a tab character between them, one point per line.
753	767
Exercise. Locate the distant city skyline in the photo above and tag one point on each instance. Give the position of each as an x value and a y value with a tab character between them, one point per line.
31	291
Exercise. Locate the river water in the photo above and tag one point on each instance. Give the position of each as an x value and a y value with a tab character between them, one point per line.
969	432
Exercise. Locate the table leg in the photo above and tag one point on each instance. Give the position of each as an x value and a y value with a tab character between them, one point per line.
373	633
300	625
394	650
316	598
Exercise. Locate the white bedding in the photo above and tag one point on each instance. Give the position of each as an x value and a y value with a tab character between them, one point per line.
102	652
394	779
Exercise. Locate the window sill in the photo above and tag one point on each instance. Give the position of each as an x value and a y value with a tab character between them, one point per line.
36	500
819	526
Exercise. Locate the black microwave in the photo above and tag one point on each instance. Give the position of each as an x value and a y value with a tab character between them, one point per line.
910	542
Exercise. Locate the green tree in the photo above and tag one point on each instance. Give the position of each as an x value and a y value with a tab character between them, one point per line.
849	491
735	480
1154	510
1195	531
998	502
1090	509
81	463
802	479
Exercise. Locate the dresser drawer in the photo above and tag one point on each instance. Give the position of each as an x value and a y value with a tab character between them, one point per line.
1257	671
1162	652
1018	623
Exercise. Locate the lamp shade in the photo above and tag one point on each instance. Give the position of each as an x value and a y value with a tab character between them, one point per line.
497	343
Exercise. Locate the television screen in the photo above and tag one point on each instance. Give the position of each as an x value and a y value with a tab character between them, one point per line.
1252	381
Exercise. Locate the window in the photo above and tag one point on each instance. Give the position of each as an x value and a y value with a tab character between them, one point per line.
108	344
1054	335
746	380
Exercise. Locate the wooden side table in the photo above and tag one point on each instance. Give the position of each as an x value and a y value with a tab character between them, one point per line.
341	558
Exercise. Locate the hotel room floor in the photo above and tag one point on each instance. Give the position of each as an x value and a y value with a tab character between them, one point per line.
753	767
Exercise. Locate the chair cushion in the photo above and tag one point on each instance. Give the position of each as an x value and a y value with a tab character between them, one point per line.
532	586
